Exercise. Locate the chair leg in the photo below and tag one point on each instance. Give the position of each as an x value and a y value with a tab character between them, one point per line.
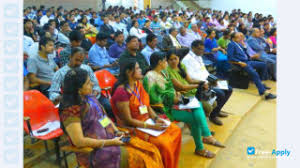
33	140
91	158
46	146
65	159
57	151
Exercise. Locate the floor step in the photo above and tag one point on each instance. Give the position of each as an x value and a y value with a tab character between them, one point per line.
240	103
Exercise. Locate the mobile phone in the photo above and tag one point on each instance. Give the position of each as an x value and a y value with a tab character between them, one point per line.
125	139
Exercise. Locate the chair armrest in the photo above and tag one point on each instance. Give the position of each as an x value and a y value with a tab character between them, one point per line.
27	120
234	62
157	105
106	88
77	150
158	108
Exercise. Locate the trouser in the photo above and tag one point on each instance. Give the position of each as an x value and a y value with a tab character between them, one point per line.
222	98
250	69
106	104
270	60
197	121
208	108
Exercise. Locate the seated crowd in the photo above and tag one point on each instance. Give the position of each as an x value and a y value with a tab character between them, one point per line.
159	57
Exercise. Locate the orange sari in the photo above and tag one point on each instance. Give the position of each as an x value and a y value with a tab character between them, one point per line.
168	143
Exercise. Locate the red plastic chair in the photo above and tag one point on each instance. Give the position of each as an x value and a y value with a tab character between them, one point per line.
106	81
38	111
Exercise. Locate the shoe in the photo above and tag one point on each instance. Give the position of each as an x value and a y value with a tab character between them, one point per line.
266	87
206	154
222	114
216	121
270	96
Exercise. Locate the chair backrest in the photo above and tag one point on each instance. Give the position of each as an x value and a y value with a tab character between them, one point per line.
105	79
39	108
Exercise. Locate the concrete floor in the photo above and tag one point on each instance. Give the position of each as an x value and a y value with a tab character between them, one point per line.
257	129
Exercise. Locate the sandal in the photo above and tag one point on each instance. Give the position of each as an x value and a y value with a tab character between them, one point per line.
213	142
207	154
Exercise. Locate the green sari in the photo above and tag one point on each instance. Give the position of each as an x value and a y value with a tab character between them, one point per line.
175	75
161	90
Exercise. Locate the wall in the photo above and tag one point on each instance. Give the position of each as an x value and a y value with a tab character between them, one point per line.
82	4
67	4
265	7
163	3
204	3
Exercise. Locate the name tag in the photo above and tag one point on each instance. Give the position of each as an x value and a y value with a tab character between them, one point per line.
104	121
143	110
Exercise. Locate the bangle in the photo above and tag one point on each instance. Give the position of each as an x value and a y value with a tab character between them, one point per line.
102	145
145	126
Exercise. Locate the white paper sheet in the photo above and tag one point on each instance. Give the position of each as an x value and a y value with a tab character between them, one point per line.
193	103
212	100
222	85
52	126
151	131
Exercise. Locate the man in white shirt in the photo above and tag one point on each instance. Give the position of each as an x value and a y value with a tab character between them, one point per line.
118	26
195	65
195	32
196	69
45	18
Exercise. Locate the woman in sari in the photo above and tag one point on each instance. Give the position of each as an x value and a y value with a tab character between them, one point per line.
183	82
87	125
158	84
131	106
90	30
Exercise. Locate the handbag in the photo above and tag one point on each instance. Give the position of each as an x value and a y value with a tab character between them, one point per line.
203	94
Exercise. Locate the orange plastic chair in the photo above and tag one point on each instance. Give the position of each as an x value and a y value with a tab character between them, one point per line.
38	111
93	39
59	50
106	81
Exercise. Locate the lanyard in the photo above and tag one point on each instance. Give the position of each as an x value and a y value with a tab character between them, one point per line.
91	102
137	94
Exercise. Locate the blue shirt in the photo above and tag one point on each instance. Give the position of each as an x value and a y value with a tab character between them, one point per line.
141	22
59	76
25	72
147	51
99	56
98	22
116	50
155	26
72	25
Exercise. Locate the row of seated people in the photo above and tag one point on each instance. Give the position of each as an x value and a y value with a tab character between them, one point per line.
159	84
130	106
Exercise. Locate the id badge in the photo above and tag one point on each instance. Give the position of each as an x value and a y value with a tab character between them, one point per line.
104	121
143	110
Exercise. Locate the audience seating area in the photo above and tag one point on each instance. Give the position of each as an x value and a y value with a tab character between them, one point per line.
230	40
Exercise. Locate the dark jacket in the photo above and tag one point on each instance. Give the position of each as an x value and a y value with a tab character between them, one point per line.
107	29
167	43
126	56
